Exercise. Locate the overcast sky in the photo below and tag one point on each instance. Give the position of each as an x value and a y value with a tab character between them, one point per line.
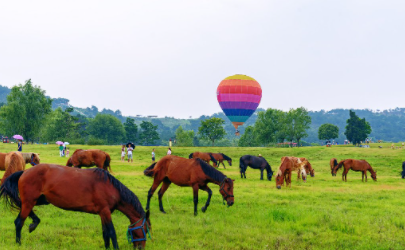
167	58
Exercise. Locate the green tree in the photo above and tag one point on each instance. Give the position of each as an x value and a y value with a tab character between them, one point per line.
248	139
107	128
148	134
184	138
297	122
268	126
61	125
212	129
26	111
131	129
328	131
357	129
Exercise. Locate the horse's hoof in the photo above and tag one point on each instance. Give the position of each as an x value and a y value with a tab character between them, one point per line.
195	213
203	209
32	227
163	211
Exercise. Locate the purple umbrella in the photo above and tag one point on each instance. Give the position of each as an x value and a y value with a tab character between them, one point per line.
18	137
59	142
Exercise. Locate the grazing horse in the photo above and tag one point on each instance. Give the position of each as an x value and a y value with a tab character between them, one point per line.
14	162
308	167
333	163
32	158
89	158
255	163
284	172
188	172
92	191
220	157
355	165
207	157
299	166
403	170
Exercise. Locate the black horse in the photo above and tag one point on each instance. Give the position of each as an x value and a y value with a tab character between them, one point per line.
255	163
403	170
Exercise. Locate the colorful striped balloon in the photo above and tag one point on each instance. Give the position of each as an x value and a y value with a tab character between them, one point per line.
239	96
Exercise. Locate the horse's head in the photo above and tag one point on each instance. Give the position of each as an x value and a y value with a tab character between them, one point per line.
138	232
312	172
269	175
374	175
279	179
69	162
229	162
35	160
309	169
226	190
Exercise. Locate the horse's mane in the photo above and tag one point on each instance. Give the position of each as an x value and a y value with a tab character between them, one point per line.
27	156
226	157
210	171
126	194
191	156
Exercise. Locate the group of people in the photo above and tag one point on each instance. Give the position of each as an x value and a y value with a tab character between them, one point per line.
129	153
63	150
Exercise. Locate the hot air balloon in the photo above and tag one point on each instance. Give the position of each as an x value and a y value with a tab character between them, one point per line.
239	96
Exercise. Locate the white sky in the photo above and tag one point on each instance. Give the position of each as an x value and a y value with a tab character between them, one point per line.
167	58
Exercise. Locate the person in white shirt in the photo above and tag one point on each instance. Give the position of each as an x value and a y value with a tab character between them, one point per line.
129	150
169	152
123	153
153	156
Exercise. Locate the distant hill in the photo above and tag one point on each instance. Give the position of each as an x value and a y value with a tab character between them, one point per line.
387	125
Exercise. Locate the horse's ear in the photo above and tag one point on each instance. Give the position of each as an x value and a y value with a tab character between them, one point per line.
147	214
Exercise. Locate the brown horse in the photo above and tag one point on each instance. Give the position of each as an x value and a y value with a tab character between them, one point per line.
333	163
188	172
207	157
32	158
308	167
284	172
298	166
92	191
220	158
89	158
14	162
355	165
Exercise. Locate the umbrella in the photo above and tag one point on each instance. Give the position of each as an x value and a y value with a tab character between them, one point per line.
18	137
67	143
59	142
130	144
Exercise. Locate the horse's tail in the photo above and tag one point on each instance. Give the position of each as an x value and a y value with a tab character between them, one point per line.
107	162
191	156
14	163
213	160
149	170
9	190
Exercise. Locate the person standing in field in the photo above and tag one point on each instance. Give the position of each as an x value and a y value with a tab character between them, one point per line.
60	150
67	152
153	156
123	153
19	145
129	152
169	152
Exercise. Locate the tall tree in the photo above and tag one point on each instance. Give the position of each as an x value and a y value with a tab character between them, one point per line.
248	139
148	134
184	138
212	129
328	131
357	129
61	125
107	128
25	112
131	129
297	122
268	125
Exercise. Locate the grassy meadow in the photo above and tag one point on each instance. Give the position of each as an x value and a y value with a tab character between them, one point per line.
324	213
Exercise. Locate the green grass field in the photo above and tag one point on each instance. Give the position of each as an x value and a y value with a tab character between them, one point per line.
324	213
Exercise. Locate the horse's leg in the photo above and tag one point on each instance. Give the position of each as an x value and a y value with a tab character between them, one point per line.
208	190
195	193
26	210
108	228
165	186
35	221
223	164
365	173
298	175
261	173
155	185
